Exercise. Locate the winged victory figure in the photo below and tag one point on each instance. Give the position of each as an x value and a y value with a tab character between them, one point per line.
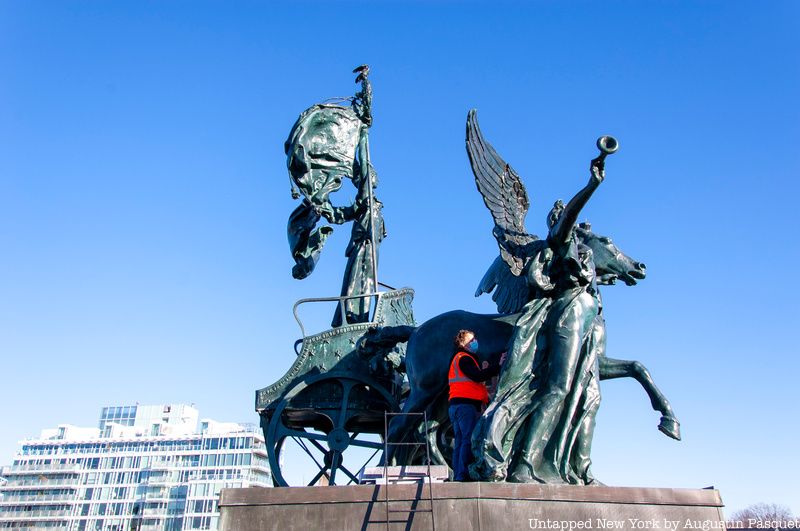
540	423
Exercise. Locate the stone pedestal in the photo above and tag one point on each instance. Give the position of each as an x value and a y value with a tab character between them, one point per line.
468	506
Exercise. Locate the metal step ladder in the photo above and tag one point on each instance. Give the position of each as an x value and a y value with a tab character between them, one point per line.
427	477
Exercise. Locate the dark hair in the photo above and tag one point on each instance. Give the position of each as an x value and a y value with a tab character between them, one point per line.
458	341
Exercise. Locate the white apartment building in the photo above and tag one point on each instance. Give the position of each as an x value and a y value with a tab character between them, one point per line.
143	467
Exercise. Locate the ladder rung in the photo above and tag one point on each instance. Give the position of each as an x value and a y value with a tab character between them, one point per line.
398	521
396	480
418	479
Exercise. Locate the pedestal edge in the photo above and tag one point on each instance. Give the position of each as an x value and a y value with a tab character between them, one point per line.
442	491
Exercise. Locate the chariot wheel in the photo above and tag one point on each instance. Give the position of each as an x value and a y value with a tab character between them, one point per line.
326	430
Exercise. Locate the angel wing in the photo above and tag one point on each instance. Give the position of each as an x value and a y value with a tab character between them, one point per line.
504	196
511	292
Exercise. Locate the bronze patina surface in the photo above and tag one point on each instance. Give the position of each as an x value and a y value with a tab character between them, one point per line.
539	426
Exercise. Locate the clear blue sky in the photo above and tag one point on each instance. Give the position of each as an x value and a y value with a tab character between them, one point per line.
144	197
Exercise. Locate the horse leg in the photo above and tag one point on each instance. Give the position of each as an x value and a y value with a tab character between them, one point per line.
403	426
611	368
438	422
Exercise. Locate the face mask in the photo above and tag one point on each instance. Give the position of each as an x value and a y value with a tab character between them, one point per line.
472	346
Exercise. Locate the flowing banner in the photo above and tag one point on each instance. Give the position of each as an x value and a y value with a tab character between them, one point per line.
329	143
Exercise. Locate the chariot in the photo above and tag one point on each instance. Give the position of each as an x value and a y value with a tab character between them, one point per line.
332	401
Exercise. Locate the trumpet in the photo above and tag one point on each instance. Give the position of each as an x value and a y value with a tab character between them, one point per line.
608	145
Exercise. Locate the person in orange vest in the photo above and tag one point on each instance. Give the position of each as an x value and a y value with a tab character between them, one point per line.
468	394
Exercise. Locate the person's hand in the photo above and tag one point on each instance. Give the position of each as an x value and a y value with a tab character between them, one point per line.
503	357
485	365
598	170
324	210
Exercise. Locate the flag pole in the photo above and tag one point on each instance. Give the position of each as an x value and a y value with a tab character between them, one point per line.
371	198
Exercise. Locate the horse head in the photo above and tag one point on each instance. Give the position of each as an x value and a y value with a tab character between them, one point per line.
610	263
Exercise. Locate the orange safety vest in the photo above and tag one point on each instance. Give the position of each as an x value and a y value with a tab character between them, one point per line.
463	387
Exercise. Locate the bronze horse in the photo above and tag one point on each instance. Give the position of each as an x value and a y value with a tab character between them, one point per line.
429	352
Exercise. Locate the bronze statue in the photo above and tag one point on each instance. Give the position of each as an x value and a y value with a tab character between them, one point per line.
542	418
334	399
347	380
540	424
427	354
330	142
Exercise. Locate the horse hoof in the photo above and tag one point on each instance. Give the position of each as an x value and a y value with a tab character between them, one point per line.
670	427
486	474
520	477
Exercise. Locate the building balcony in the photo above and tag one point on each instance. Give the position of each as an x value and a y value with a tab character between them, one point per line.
40	484
59	468
161	466
162	498
156	495
34	515
160	482
10	500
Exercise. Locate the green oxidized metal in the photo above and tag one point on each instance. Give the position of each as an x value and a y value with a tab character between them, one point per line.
337	390
346	378
540	423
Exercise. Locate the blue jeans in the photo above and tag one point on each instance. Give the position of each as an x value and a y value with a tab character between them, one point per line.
464	417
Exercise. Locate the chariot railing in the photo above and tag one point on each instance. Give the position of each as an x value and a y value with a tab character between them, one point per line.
341	300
